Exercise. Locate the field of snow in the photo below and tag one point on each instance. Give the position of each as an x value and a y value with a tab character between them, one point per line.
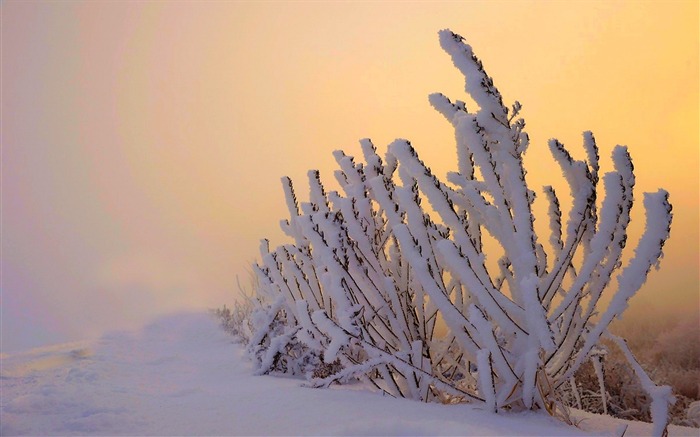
182	375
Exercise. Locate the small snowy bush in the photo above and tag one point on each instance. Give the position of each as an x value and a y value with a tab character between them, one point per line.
372	271
236	320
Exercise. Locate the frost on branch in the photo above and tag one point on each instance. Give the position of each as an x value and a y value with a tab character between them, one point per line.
373	275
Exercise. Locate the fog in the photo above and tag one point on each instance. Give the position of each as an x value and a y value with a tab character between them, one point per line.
143	142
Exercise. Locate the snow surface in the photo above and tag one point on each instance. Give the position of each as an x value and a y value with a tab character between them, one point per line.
182	375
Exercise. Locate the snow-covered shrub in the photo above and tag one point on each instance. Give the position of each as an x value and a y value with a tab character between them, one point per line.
236	320
372	270
274	345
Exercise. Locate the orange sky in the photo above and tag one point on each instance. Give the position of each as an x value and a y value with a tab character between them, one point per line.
143	142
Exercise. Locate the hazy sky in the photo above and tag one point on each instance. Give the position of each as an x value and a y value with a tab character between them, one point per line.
143	142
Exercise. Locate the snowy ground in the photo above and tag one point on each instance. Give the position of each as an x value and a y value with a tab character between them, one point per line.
181	375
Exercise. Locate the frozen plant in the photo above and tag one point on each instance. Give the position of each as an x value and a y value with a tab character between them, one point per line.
371	271
237	320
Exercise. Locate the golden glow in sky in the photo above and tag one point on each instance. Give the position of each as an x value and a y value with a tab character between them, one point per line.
143	142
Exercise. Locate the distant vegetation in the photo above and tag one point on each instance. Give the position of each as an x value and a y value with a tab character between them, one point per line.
668	347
